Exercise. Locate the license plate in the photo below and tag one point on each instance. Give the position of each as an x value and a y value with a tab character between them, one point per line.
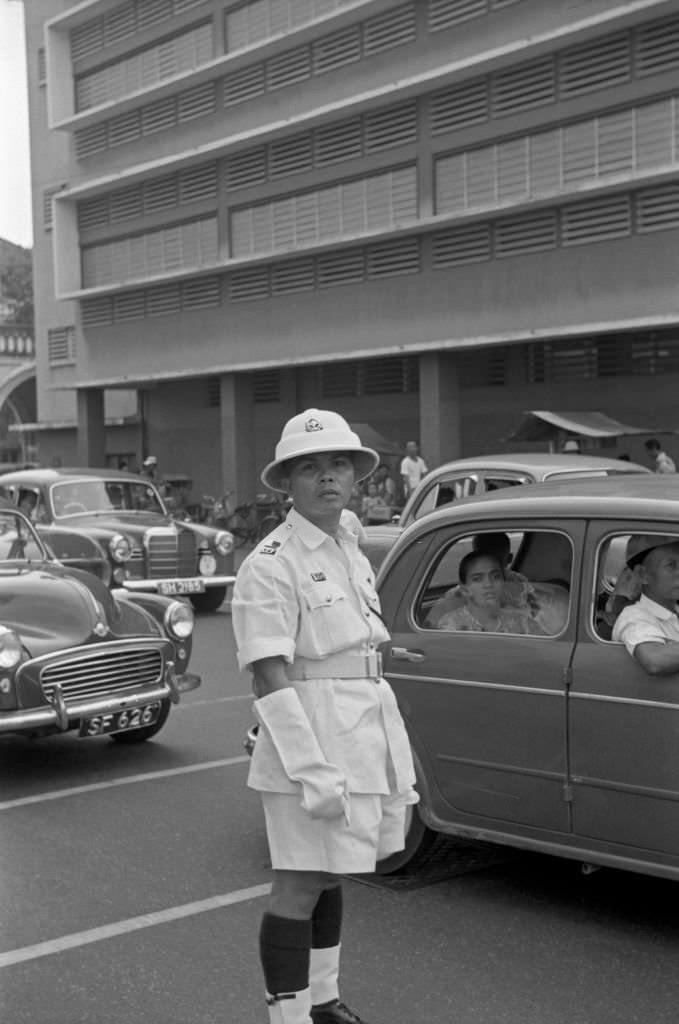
171	587
120	721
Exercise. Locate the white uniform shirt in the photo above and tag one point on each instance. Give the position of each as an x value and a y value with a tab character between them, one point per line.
645	621
413	470
303	594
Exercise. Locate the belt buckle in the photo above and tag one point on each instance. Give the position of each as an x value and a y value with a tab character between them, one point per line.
374	659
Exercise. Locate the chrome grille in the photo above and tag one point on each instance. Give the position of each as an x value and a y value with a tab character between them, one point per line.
171	555
102	672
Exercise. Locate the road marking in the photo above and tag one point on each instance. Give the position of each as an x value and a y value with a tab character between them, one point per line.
128	780
132	924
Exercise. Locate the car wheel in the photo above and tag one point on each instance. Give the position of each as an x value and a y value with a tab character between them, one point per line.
210	601
418	841
146	731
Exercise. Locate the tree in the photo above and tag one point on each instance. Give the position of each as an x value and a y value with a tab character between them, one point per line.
16	289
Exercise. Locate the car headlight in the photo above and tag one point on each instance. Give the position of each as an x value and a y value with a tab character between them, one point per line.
224	542
120	547
11	651
207	564
178	620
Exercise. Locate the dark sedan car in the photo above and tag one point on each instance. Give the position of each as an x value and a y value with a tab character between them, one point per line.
75	655
467	478
537	730
116	525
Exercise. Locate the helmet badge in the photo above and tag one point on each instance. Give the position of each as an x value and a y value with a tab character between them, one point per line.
312	424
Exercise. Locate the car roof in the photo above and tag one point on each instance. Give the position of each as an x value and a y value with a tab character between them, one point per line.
539	463
52	475
647	497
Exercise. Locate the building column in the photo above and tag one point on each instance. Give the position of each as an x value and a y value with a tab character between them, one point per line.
440	413
91	440
237	429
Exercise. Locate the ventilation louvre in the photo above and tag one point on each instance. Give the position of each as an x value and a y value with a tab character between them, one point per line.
290	156
393	28
470	244
249	284
517	235
657	209
442	14
288	68
523	88
460	107
396	126
342	141
599	65
246	169
129	306
340	268
394	259
244	85
203	293
657	48
61	345
96	312
583	223
336	50
296	276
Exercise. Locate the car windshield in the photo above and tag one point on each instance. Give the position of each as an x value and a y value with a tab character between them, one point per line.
75	497
18	540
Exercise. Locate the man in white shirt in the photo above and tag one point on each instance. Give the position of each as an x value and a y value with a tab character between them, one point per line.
662	461
649	628
413	469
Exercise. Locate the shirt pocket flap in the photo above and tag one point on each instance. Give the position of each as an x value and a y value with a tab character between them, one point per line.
323	595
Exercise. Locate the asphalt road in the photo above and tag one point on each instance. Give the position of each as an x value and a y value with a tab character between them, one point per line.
133	880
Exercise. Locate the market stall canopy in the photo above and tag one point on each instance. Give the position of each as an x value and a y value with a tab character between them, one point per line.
545	426
373	439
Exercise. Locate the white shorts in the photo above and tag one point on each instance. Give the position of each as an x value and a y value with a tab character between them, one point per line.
298	842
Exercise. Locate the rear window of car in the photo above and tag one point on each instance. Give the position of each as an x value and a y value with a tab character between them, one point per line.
480	583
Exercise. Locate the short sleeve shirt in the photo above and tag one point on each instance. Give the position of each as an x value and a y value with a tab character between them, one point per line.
413	470
646	621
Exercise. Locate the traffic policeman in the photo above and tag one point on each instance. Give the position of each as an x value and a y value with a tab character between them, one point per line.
332	760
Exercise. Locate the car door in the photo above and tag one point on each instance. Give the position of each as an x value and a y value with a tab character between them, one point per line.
486	711
623	724
440	491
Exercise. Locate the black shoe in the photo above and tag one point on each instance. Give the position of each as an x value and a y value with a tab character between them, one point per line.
334	1013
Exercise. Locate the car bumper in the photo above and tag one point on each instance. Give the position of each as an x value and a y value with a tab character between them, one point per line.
59	715
178	587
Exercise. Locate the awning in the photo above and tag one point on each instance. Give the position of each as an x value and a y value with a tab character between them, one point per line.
545	426
371	438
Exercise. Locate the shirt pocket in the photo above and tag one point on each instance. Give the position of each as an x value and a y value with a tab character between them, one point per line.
329	621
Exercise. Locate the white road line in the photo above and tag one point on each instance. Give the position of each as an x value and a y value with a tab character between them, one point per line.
132	924
128	780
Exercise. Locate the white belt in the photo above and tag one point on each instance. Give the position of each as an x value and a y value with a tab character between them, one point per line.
337	666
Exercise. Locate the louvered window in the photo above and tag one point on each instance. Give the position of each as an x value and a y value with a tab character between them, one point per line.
395	126
559	362
288	68
657	208
197	102
266	386
597	65
153	11
606	218
290	156
198	184
161	194
87	39
93	213
468	244
125	204
393	28
244	85
523	88
89	141
183	52
203	293
394	259
339	379
255	22
443	14
42	66
340	141
530	233
119	24
296	276
459	107
654	354
248	284
213	391
339	268
129	306
395	375
380	201
61	345
656	47
48	195
124	129
337	50
483	368
96	312
246	169
157	117
163	301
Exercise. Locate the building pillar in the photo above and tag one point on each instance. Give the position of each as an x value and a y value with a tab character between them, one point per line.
237	429
91	440
440	413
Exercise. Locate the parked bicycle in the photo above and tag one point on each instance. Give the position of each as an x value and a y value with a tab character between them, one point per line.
251	521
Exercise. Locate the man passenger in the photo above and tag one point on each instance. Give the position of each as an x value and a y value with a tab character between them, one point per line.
649	628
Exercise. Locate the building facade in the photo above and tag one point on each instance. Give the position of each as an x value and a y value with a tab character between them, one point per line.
430	215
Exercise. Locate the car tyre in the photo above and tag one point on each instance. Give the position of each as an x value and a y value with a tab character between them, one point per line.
210	601
146	731
418	841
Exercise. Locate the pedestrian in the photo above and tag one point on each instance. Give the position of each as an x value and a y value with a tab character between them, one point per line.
662	463
149	467
332	760
413	468
572	447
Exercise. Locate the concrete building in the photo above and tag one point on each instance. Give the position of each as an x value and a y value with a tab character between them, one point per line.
430	215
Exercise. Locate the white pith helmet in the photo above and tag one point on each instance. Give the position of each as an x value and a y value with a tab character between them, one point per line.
314	431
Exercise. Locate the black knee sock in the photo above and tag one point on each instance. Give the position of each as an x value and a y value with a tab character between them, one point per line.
284	950
326	920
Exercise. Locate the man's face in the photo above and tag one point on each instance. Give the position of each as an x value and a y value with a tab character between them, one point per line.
484	583
411	449
659	574
320	485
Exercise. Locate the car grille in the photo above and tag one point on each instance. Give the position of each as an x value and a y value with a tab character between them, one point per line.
102	672
168	555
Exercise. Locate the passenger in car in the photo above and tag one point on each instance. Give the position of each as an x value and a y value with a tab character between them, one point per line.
482	587
649	628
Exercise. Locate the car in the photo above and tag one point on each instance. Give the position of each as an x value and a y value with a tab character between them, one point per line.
116	525
465	478
78	656
560	742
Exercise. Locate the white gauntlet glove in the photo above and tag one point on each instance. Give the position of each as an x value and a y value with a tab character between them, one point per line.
324	786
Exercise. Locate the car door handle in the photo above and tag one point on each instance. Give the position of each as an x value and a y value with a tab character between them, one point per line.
403	654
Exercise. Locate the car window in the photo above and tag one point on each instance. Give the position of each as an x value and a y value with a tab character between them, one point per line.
616	586
495	483
517	582
75	497
444	492
17	539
